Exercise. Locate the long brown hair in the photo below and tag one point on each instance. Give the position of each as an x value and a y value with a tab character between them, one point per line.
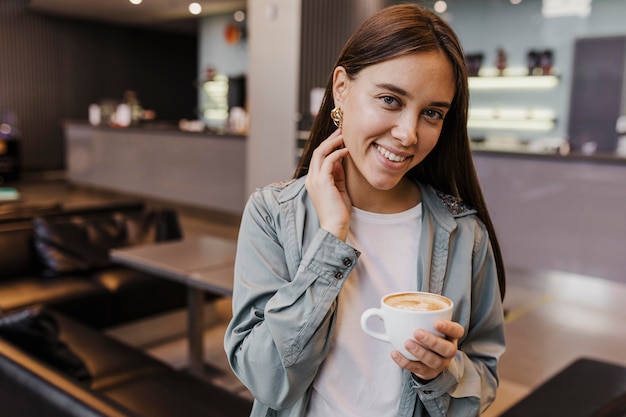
401	30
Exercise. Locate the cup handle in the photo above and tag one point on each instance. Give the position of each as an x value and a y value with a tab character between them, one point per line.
370	312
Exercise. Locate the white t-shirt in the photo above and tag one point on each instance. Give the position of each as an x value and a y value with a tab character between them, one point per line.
358	377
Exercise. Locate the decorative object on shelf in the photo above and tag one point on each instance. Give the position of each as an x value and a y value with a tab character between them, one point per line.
540	62
95	116
238	121
235	32
546	61
232	34
532	61
215	95
501	61
474	62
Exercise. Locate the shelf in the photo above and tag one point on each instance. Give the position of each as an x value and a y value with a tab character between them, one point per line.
512	118
538	82
512	124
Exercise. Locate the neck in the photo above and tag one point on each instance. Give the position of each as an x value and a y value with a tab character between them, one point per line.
402	197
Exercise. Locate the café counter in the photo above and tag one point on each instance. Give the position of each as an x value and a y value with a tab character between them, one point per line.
200	170
557	212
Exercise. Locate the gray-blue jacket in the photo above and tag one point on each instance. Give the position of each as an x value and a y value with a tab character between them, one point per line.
289	271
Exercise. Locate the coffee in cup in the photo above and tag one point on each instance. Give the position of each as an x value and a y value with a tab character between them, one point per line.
404	312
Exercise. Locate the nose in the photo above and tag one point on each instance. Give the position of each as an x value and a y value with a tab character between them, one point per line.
405	129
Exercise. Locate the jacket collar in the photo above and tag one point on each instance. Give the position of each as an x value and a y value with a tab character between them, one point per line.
445	207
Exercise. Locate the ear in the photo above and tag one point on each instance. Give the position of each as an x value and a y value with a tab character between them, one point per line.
340	85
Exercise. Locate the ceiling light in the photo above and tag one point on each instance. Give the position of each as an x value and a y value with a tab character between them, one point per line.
195	8
135	1
441	6
239	16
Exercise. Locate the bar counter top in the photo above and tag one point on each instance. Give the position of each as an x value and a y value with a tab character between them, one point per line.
597	158
154	126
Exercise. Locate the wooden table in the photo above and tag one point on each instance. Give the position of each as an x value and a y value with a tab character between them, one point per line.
203	264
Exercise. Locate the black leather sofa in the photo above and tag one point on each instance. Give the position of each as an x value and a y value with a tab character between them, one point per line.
119	380
59	258
54	262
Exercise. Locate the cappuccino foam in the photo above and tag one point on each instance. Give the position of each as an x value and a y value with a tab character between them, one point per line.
416	302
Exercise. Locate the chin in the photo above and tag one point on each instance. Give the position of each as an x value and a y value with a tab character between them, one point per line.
384	185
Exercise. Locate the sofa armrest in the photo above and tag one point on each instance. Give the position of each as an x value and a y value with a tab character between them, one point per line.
28	387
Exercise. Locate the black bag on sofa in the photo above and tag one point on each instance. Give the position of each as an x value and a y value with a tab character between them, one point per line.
36	332
80	244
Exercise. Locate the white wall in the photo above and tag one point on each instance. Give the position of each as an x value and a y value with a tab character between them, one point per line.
274	43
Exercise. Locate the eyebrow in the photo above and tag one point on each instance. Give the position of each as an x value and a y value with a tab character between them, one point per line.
394	88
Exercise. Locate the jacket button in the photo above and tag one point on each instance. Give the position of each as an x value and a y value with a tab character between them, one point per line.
347	262
338	275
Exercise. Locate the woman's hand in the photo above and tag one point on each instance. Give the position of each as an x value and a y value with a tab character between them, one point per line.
326	184
434	353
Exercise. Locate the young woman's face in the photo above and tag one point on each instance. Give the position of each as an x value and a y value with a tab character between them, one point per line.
392	116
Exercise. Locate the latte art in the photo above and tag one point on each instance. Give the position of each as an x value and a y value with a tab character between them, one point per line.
416	302
414	305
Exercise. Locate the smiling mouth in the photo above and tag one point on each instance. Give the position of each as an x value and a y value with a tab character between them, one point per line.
389	155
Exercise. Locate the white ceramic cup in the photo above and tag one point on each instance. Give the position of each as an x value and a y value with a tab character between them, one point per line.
404	312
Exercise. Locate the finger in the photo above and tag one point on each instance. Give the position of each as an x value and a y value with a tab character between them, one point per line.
415	367
449	328
430	358
329	162
441	347
327	147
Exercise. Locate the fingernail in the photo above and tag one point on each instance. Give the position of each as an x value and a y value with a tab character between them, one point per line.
411	345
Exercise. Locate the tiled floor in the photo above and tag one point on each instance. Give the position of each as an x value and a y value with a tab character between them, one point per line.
554	317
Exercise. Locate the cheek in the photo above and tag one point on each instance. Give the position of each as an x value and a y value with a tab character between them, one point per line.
364	122
429	136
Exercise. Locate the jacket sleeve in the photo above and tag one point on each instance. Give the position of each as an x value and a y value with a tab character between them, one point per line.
469	385
282	313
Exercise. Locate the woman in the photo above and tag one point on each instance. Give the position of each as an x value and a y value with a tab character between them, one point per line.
385	199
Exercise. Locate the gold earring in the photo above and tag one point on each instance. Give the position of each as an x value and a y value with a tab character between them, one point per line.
337	115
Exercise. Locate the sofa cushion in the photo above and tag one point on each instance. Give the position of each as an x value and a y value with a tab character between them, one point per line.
79	244
109	361
37	333
17	255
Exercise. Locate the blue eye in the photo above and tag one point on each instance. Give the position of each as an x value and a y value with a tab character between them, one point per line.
389	100
434	114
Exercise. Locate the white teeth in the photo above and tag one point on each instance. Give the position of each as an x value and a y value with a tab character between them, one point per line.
391	156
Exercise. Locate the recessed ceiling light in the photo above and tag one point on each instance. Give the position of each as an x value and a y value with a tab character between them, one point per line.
135	1
441	6
239	16
195	8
